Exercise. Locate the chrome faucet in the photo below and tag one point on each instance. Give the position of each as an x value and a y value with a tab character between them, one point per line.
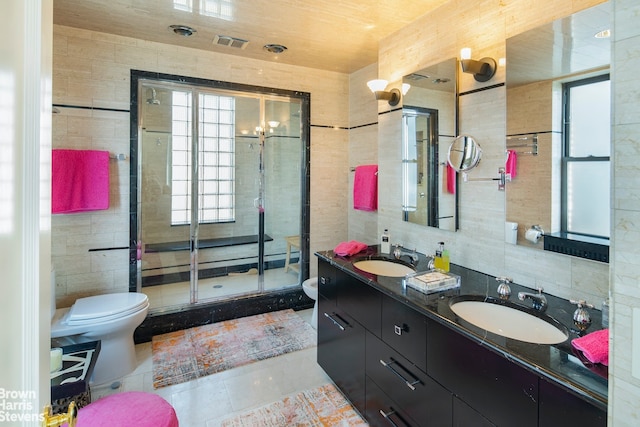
539	301
398	252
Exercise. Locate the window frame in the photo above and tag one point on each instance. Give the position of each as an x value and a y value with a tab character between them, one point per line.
566	158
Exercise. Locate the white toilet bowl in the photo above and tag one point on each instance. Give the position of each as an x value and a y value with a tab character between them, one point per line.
310	287
110	318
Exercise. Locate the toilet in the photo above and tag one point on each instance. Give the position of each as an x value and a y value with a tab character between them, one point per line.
310	287
110	318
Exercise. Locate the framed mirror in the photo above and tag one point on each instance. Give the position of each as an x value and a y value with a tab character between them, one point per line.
561	151
429	125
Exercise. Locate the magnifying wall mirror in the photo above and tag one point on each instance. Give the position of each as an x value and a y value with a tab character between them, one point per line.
428	126
464	153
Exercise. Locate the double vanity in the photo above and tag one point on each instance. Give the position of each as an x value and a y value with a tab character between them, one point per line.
407	358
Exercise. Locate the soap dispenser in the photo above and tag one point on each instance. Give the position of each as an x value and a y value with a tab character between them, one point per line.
385	245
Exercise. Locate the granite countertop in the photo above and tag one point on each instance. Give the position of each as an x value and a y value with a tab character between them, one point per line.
559	363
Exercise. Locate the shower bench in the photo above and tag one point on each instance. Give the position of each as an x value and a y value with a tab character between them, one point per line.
218	242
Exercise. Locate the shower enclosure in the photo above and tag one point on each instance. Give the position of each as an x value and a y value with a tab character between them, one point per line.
221	184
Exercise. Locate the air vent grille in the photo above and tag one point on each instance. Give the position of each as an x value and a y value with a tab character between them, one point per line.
230	41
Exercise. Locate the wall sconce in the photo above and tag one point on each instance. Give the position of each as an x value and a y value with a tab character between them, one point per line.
378	86
482	70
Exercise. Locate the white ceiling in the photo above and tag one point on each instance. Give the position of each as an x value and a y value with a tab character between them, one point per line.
335	35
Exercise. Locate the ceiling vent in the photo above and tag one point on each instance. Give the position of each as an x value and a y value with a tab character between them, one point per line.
230	41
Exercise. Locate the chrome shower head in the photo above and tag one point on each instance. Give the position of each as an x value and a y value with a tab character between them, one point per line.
153	100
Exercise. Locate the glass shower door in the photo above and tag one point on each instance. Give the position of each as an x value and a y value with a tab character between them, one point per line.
241	153
283	155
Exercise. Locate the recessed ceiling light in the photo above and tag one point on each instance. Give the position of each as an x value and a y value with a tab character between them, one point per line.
275	48
604	34
182	30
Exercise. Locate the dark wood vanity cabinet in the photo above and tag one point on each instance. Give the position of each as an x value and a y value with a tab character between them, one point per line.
398	367
341	339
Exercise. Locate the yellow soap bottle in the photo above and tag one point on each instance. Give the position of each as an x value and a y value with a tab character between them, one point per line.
445	260
438	261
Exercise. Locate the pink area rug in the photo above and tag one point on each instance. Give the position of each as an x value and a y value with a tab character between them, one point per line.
204	350
323	406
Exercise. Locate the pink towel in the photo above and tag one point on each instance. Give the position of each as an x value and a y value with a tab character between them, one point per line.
594	346
365	188
79	181
349	248
451	179
511	164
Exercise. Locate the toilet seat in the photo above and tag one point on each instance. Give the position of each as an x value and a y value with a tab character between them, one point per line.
102	308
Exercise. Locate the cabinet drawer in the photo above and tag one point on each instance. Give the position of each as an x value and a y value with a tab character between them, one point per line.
405	330
360	300
341	348
382	411
326	280
421	398
558	407
503	392
465	416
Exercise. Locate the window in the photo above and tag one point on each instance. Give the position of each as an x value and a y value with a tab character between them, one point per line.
586	157
216	186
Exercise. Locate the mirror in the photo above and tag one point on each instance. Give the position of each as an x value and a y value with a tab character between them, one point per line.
429	125
464	153
539	61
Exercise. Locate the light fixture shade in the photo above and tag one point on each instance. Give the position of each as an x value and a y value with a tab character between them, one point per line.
465	53
377	85
273	123
405	88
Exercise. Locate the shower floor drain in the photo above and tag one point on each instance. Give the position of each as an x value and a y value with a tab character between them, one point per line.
217	286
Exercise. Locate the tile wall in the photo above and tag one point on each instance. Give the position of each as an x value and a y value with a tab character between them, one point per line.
624	378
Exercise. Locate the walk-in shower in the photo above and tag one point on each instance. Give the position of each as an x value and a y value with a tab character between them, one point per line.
243	151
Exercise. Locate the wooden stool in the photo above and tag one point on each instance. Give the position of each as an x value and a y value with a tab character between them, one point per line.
295	242
131	408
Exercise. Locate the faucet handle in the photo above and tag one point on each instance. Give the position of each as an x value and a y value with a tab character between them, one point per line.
581	317
504	290
581	303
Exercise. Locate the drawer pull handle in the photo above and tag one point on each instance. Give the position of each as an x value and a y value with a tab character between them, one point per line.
335	322
387	416
410	384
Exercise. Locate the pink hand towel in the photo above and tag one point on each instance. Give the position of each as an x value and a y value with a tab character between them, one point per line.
365	188
79	181
349	248
594	346
512	163
451	179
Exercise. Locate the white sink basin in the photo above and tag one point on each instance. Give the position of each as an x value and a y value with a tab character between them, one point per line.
381	267
510	322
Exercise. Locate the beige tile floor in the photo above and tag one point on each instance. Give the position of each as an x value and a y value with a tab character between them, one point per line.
205	402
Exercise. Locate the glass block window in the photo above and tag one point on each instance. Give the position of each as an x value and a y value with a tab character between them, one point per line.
216	185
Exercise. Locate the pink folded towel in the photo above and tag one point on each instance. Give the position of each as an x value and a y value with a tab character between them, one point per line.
349	248
365	188
511	164
594	346
79	180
